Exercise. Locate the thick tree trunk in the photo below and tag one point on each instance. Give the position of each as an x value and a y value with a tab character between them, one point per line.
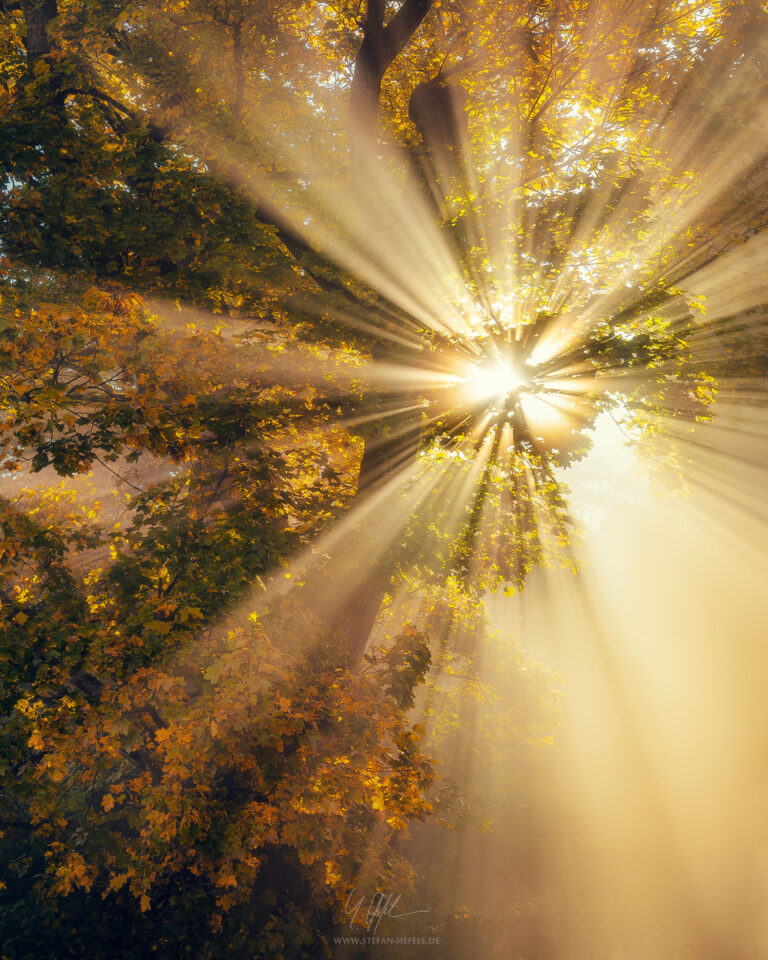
392	449
396	445
396	448
380	46
37	15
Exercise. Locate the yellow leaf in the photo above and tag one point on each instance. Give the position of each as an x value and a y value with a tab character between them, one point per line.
120	880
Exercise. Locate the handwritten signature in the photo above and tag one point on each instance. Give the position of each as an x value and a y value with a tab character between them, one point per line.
380	905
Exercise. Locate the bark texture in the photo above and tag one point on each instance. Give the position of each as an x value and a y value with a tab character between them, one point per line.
37	15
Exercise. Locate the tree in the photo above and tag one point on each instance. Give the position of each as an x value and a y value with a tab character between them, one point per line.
197	297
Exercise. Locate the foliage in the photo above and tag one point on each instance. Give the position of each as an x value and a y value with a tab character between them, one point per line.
235	783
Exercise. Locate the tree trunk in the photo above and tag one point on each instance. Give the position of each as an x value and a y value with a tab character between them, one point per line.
380	46
37	15
397	447
237	55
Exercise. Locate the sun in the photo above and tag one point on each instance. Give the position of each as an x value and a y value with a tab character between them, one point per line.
494	380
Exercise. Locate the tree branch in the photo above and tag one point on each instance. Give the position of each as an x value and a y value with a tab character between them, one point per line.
237	56
379	48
